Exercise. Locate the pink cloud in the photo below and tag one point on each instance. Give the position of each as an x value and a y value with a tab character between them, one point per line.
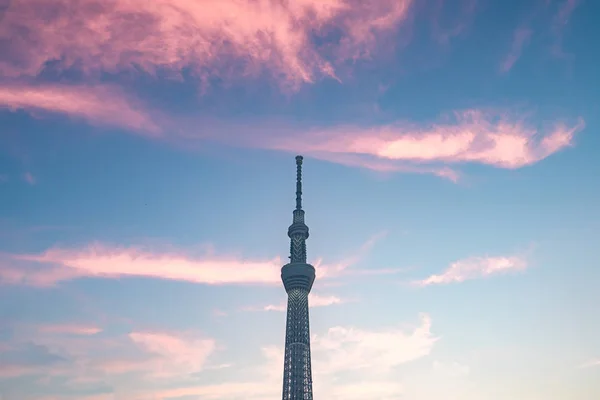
561	19
109	396
338	351
474	136
229	390
96	104
470	136
29	178
564	13
350	348
15	370
70	329
444	33
17	272
102	261
203	35
520	40
175	354
158	364
97	260
475	267
219	313
88	358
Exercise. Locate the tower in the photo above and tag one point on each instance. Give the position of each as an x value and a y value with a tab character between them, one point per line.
298	277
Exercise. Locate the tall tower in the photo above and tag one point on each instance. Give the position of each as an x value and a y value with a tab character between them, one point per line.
298	277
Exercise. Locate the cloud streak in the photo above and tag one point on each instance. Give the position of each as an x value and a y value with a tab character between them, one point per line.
491	138
100	104
70	329
520	40
471	136
98	260
475	267
226	37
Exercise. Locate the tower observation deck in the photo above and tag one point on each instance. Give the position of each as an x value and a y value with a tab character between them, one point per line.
298	277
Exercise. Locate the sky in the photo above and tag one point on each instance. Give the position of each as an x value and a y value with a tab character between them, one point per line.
147	181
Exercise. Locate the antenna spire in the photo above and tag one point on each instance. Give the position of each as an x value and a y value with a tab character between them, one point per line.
298	231
299	182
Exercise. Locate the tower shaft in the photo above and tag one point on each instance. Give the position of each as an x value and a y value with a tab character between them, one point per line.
297	375
298	277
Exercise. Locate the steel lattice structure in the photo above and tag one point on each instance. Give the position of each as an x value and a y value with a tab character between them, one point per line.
298	277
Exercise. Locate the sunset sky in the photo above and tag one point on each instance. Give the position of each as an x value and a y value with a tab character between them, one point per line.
451	188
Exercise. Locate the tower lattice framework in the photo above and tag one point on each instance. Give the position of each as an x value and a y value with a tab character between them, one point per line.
298	277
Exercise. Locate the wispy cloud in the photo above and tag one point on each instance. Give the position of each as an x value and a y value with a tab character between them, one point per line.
453	369
70	329
96	104
591	363
29	178
561	19
375	353
520	40
474	136
326	270
443	31
228	37
174	354
475	267
547	18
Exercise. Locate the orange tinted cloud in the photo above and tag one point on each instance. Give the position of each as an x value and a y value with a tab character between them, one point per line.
95	104
204	35
473	136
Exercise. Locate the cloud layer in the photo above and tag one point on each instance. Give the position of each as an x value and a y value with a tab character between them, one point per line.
163	365
492	138
224	37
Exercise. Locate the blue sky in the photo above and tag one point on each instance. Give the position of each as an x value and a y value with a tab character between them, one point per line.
147	181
